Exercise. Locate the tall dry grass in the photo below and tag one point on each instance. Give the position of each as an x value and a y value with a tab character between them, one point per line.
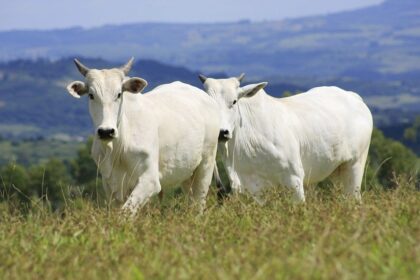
327	238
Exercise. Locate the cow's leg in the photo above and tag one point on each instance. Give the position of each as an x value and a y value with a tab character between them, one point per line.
201	181
292	174
255	186
147	186
352	176
295	183
186	186
235	183
293	178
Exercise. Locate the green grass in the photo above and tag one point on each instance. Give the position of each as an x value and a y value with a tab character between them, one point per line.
328	237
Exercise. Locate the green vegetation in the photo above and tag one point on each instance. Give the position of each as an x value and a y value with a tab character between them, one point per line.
412	133
30	152
327	238
389	158
52	179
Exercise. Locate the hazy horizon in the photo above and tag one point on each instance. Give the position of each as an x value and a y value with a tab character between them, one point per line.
44	15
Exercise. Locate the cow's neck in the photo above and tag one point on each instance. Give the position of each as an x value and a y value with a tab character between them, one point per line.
247	110
110	153
253	115
250	111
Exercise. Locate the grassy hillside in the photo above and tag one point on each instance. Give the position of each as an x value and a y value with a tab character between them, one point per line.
327	238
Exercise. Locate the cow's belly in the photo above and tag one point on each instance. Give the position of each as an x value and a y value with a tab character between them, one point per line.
172	174
322	157
258	171
178	163
318	171
270	165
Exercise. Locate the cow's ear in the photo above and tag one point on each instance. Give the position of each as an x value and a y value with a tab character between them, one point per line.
77	88
251	90
134	85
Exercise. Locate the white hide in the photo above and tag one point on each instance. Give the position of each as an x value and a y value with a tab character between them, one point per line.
293	141
166	137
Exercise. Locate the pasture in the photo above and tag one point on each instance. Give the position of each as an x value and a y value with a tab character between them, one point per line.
327	238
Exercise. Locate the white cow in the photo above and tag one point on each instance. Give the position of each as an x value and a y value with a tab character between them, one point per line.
146	142
293	141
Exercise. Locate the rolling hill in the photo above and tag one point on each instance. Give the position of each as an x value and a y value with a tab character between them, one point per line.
375	42
35	103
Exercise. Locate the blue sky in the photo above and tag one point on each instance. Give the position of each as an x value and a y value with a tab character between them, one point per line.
49	14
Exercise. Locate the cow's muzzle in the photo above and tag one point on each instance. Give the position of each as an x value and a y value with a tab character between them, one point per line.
106	133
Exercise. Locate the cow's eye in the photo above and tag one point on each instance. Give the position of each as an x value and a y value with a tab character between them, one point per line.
234	102
119	95
90	96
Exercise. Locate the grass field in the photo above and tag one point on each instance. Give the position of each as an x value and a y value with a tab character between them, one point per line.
327	238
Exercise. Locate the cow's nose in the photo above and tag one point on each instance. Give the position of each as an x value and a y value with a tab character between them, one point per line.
106	133
224	135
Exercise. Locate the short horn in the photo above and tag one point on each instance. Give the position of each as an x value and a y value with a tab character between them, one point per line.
82	69
202	78
127	67
241	77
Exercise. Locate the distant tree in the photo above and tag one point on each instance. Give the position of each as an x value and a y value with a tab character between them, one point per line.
388	158
14	182
84	169
85	172
51	181
411	132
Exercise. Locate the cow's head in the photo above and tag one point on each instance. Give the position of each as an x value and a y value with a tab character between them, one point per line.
227	93
105	90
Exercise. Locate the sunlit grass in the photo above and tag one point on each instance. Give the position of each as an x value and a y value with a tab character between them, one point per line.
328	237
